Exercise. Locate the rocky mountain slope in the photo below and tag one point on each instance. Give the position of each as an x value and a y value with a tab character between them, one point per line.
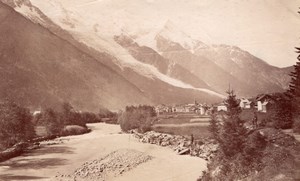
41	69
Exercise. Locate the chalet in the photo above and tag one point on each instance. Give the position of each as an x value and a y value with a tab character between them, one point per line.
263	106
246	103
222	107
36	113
160	109
179	109
200	110
265	103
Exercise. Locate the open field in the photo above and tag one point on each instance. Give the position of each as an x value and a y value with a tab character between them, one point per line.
64	156
183	124
182	118
198	131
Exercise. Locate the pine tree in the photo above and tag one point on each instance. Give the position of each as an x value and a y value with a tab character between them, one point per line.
294	91
295	78
233	133
232	104
294	87
214	126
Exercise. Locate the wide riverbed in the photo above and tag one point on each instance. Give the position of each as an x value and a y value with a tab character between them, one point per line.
64	155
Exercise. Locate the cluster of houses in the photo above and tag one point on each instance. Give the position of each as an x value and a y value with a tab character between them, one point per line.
202	109
262	103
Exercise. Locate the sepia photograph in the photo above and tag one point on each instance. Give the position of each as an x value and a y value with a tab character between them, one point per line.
149	90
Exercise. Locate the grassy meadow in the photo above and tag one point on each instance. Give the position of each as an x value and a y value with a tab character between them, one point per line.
183	124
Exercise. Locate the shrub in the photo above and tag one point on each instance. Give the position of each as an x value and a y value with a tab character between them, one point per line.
74	130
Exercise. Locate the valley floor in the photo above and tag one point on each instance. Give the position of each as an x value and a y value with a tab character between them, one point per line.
64	155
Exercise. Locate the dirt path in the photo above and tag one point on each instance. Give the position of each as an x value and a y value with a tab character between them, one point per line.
69	153
182	125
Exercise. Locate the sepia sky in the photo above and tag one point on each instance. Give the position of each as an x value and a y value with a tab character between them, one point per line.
269	29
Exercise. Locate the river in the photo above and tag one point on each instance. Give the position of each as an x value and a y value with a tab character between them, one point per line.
64	155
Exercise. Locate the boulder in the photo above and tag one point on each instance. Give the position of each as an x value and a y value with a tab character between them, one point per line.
184	151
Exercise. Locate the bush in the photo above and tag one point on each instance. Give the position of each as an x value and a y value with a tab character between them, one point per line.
105	113
71	117
141	118
74	130
55	122
15	124
89	117
296	125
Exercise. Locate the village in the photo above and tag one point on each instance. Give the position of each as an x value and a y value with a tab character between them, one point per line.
262	103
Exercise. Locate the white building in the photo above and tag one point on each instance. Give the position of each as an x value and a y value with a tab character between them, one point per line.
245	103
222	107
262	106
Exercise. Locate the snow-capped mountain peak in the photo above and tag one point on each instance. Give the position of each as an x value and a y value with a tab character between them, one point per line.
174	34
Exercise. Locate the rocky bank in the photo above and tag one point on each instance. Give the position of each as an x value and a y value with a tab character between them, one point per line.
204	148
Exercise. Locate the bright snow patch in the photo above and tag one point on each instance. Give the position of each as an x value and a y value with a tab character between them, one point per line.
29	13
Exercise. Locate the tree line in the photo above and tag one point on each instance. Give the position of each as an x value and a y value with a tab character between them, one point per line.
17	124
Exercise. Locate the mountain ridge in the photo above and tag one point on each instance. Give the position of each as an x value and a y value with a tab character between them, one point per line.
48	74
181	68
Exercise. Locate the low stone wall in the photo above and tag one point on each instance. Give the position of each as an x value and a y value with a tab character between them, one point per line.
180	144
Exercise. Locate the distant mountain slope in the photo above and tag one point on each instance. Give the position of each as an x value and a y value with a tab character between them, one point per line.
40	69
95	23
212	74
247	67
